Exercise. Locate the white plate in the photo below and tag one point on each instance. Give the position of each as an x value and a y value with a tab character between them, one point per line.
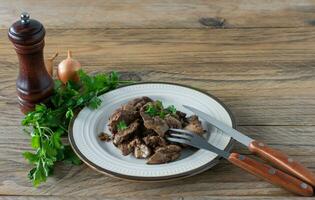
106	158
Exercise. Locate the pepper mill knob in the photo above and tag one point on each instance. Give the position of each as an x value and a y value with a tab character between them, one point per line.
25	18
34	85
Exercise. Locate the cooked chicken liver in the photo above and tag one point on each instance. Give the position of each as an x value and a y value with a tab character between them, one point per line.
119	115
135	142
146	132
142	151
127	133
153	122
181	115
165	154
104	137
194	125
125	148
172	122
143	124
154	141
136	104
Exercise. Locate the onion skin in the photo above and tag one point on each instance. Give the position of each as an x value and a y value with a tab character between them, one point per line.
67	69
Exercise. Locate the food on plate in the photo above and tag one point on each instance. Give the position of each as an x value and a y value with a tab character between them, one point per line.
165	154
104	137
140	127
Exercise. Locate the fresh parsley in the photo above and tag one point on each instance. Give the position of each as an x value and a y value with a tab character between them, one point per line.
49	122
152	110
122	125
157	109
171	109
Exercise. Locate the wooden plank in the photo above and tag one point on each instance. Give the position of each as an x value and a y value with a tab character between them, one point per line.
256	56
162	14
266	77
224	179
145	198
178	46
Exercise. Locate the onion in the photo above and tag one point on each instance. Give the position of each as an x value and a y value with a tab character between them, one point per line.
49	63
67	69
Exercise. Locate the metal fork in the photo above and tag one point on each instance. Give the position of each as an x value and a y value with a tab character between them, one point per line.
270	174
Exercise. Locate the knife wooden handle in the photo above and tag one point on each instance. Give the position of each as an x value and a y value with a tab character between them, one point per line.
271	175
282	161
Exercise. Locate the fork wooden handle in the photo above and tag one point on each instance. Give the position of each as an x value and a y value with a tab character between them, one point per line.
271	174
282	161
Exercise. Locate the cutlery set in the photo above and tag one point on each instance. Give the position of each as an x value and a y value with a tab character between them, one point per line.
291	175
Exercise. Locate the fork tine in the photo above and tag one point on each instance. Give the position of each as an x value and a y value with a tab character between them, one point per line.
180	135
182	131
183	141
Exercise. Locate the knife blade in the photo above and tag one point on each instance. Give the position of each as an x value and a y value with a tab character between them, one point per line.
240	137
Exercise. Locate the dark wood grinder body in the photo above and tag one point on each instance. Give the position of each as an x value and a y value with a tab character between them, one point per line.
34	84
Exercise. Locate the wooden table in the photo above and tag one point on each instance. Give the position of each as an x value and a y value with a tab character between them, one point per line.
256	56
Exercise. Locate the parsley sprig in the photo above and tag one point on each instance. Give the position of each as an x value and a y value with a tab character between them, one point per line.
49	122
157	109
121	125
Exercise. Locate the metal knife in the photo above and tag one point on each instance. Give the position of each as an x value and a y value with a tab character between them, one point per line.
275	157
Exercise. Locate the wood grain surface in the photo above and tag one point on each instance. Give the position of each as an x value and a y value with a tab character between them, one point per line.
163	13
258	57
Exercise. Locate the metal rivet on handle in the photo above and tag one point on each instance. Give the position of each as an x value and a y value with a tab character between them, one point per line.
272	171
303	185
290	160
261	144
241	157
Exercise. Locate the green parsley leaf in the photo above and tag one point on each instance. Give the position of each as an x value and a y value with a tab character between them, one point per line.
159	105
171	109
71	157
36	141
157	109
121	125
39	175
94	103
56	139
69	113
152	110
31	157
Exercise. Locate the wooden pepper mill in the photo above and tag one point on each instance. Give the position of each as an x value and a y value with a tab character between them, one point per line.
34	84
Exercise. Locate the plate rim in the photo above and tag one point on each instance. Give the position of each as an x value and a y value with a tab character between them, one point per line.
161	178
